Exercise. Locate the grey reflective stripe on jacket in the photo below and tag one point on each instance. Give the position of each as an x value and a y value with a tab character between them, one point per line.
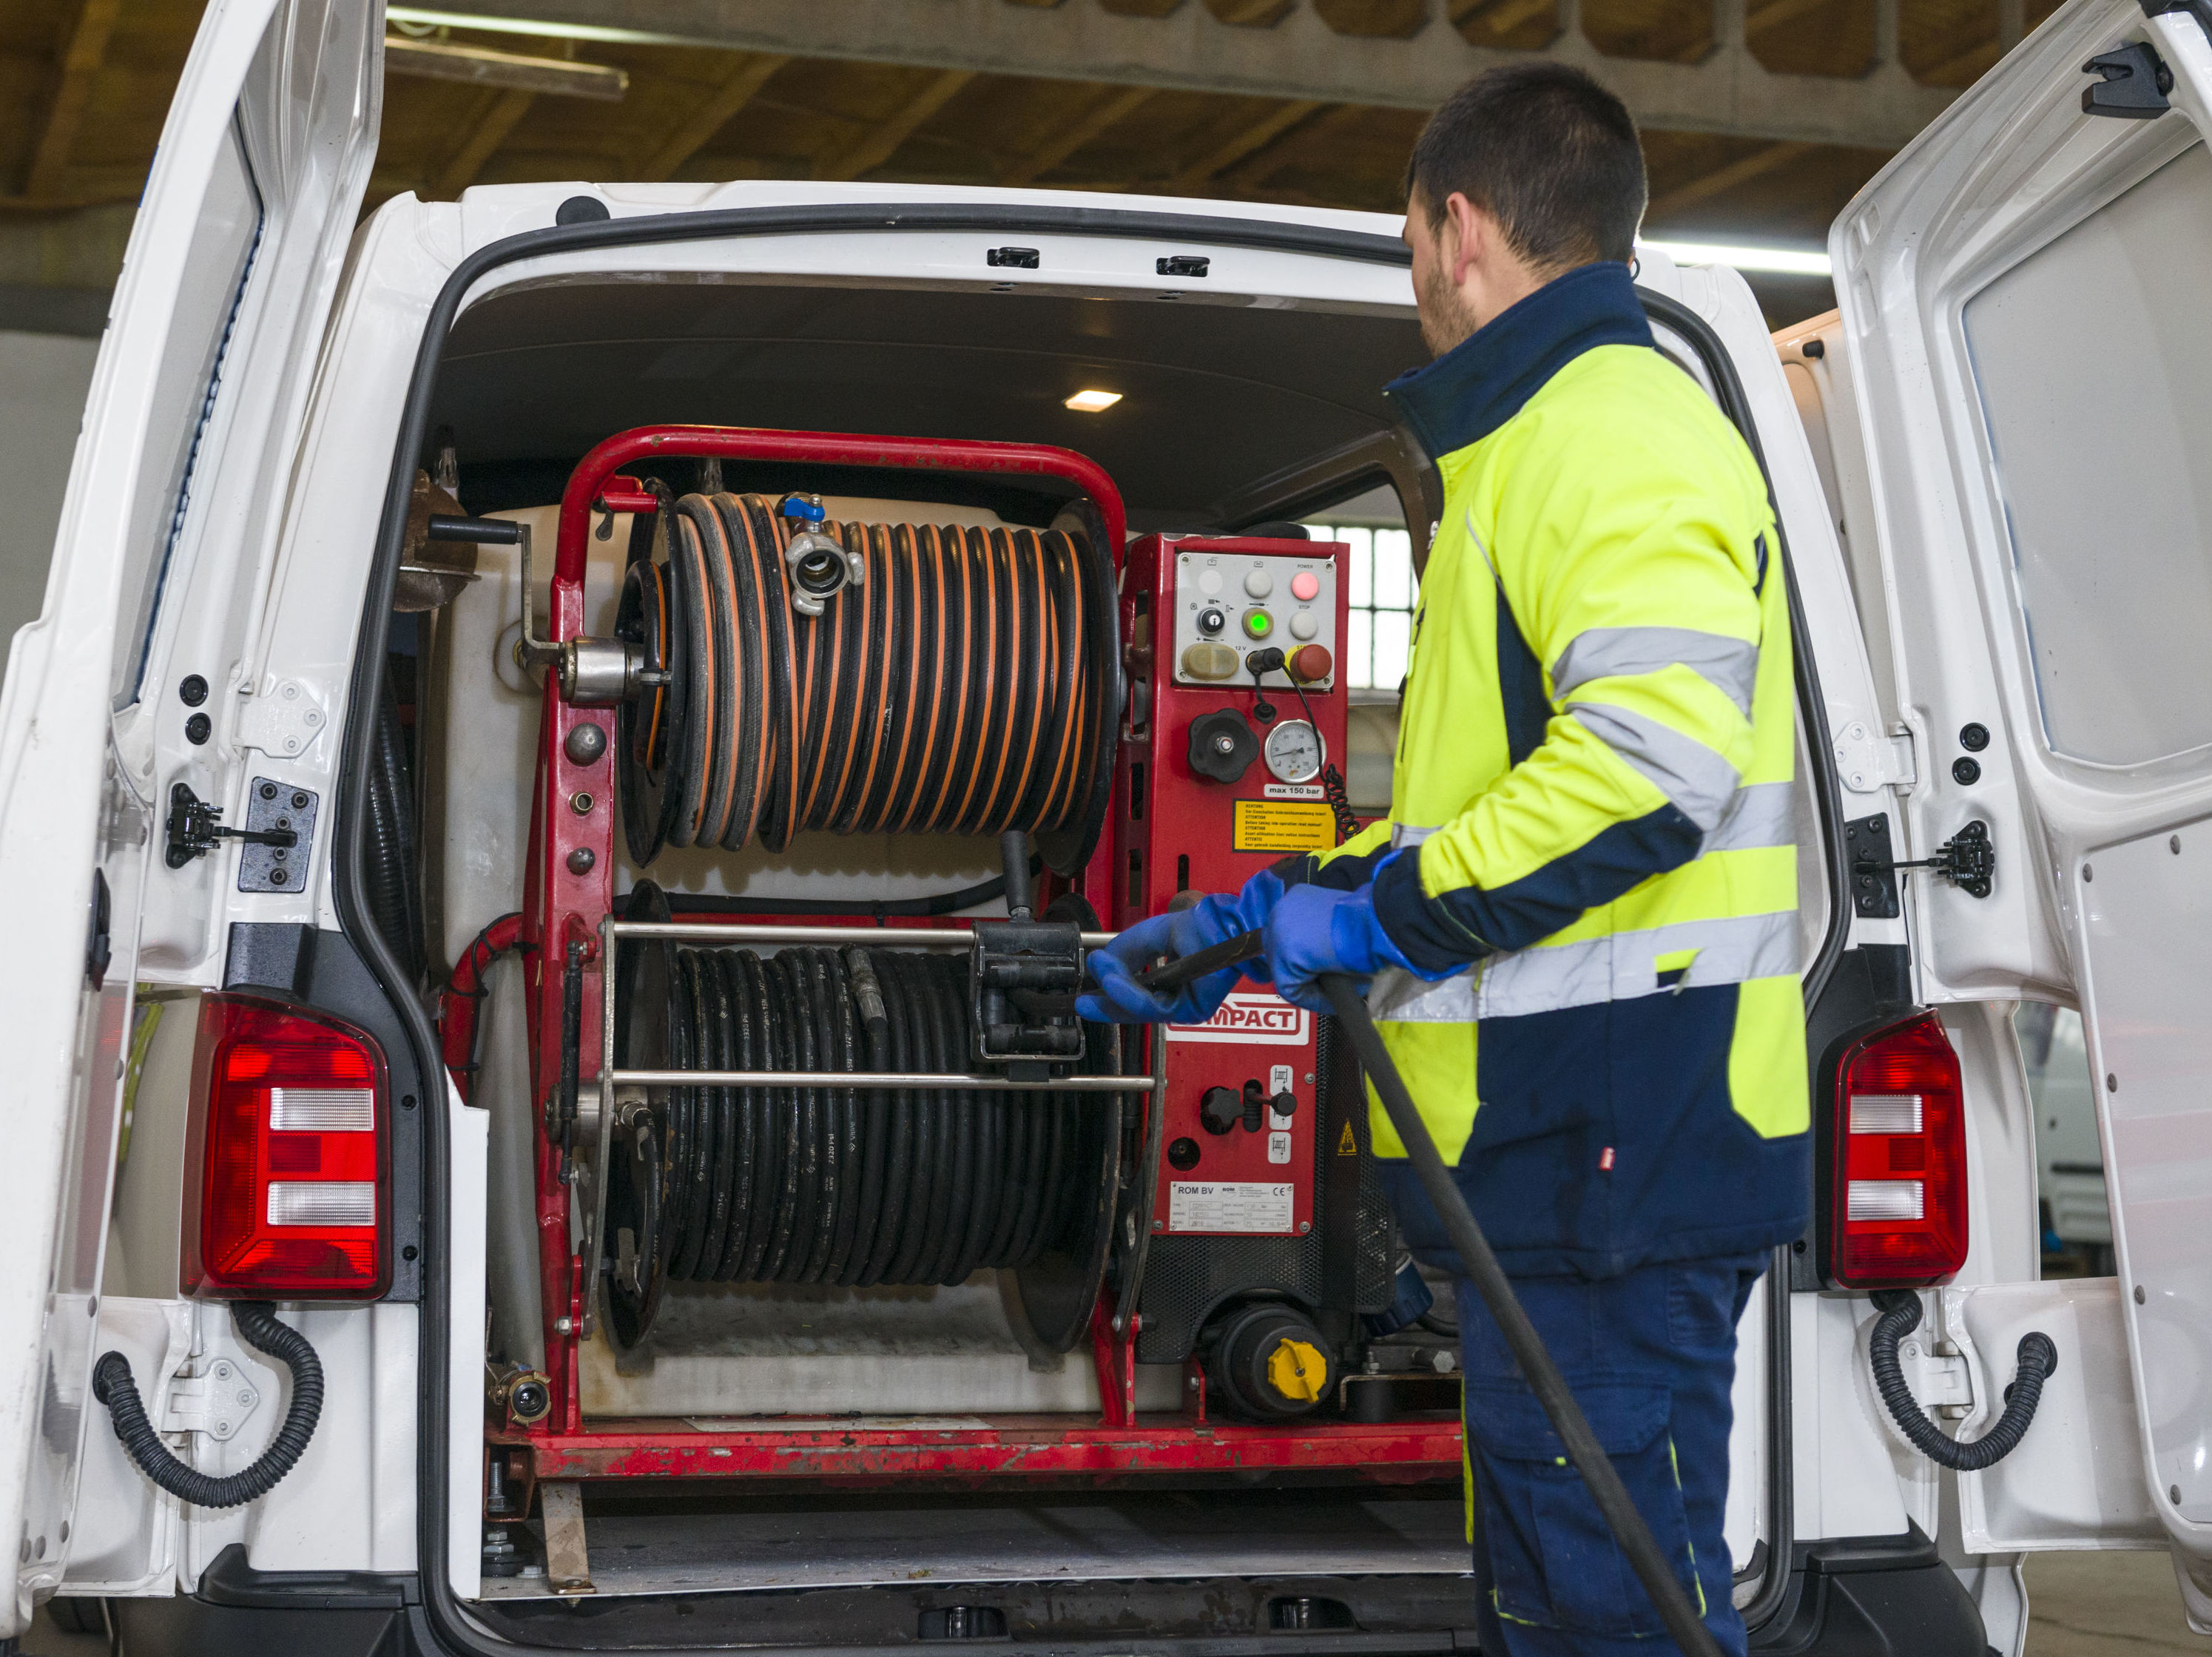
1700	782
1729	665
1618	968
1760	814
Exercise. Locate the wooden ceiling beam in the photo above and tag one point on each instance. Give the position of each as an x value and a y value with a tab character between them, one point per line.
483	140
1758	19
881	141
1499	16
1246	142
1105	112
1726	91
737	88
1756	165
78	65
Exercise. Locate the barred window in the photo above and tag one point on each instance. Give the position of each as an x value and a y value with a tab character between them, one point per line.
1379	629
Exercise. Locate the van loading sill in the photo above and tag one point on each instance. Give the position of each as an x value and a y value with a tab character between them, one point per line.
1208	1534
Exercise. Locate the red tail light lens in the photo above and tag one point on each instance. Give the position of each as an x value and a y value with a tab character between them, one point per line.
293	1197
1898	1198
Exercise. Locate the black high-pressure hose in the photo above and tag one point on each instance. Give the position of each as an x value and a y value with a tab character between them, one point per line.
258	1327
1629	1531
2037	1358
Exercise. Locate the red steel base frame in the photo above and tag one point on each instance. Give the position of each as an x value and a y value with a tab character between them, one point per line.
572	808
1007	1447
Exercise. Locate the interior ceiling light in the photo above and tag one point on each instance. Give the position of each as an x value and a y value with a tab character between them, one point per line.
1092	402
1778	261
443	60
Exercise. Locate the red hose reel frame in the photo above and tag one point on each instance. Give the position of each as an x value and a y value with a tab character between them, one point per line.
565	896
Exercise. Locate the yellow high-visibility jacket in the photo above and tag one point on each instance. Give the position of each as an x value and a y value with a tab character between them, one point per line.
1594	764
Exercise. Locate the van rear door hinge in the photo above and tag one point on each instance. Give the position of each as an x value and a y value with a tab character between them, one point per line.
218	1401
1867	762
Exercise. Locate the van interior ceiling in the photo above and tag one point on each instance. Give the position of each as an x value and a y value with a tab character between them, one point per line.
1125	1326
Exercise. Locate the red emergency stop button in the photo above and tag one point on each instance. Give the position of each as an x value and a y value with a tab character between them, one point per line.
1310	663
1304	586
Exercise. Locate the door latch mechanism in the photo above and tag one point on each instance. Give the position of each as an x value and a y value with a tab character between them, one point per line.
195	826
1966	860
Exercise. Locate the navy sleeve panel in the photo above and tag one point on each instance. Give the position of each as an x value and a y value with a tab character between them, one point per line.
1339	874
1439	933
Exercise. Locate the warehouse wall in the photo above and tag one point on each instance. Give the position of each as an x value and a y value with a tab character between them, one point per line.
43	381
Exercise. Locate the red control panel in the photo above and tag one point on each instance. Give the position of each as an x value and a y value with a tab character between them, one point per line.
1236	714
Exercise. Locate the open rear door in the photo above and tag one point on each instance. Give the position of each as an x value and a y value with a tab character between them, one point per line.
2025	288
230	269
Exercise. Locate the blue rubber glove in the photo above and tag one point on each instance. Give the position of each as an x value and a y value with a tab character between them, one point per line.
1122	1000
1317	930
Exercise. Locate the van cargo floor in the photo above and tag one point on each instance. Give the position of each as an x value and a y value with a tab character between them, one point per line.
1069	1539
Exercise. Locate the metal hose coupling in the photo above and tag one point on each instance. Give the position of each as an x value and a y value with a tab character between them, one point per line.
820	567
2038	1357
256	1323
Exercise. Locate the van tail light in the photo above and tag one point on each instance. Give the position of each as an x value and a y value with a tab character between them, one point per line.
291	1198
1897	1192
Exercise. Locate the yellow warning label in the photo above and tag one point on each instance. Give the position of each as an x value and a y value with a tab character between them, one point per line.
1275	825
1347	1146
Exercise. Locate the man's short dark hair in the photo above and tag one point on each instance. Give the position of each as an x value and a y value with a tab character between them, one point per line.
1545	150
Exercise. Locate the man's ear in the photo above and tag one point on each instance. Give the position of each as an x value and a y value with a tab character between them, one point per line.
1468	232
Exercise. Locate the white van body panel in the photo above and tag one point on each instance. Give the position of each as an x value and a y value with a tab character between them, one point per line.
216	316
2020	296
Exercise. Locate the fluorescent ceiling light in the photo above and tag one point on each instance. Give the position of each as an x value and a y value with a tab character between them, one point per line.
544	28
1780	261
1092	402
441	60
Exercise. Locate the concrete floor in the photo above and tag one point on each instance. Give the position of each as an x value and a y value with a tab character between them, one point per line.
2083	1605
2105	1604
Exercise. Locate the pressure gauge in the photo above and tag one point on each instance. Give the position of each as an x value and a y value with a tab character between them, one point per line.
1293	751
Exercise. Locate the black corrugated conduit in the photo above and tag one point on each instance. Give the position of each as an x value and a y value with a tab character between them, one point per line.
394	898
112	1384
2037	1358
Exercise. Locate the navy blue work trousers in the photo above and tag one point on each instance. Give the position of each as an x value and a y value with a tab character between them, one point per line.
1650	1356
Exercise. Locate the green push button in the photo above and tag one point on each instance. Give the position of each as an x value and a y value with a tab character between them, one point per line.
1258	623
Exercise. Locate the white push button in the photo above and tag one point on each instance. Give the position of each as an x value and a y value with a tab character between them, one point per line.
1259	584
1304	624
1209	581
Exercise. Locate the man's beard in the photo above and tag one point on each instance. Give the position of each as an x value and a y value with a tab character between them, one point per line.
1446	318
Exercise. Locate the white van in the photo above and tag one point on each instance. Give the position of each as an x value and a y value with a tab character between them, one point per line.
1982	464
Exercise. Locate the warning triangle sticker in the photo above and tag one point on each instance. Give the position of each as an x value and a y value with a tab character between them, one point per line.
1347	1146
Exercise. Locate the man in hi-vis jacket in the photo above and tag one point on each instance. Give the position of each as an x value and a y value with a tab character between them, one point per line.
1578	926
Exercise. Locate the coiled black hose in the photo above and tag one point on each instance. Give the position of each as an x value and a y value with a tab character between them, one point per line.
844	1186
2038	1357
256	1323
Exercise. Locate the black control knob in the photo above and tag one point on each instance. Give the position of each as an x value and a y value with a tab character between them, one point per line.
1211	620
1219	1110
1284	1104
1222	746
